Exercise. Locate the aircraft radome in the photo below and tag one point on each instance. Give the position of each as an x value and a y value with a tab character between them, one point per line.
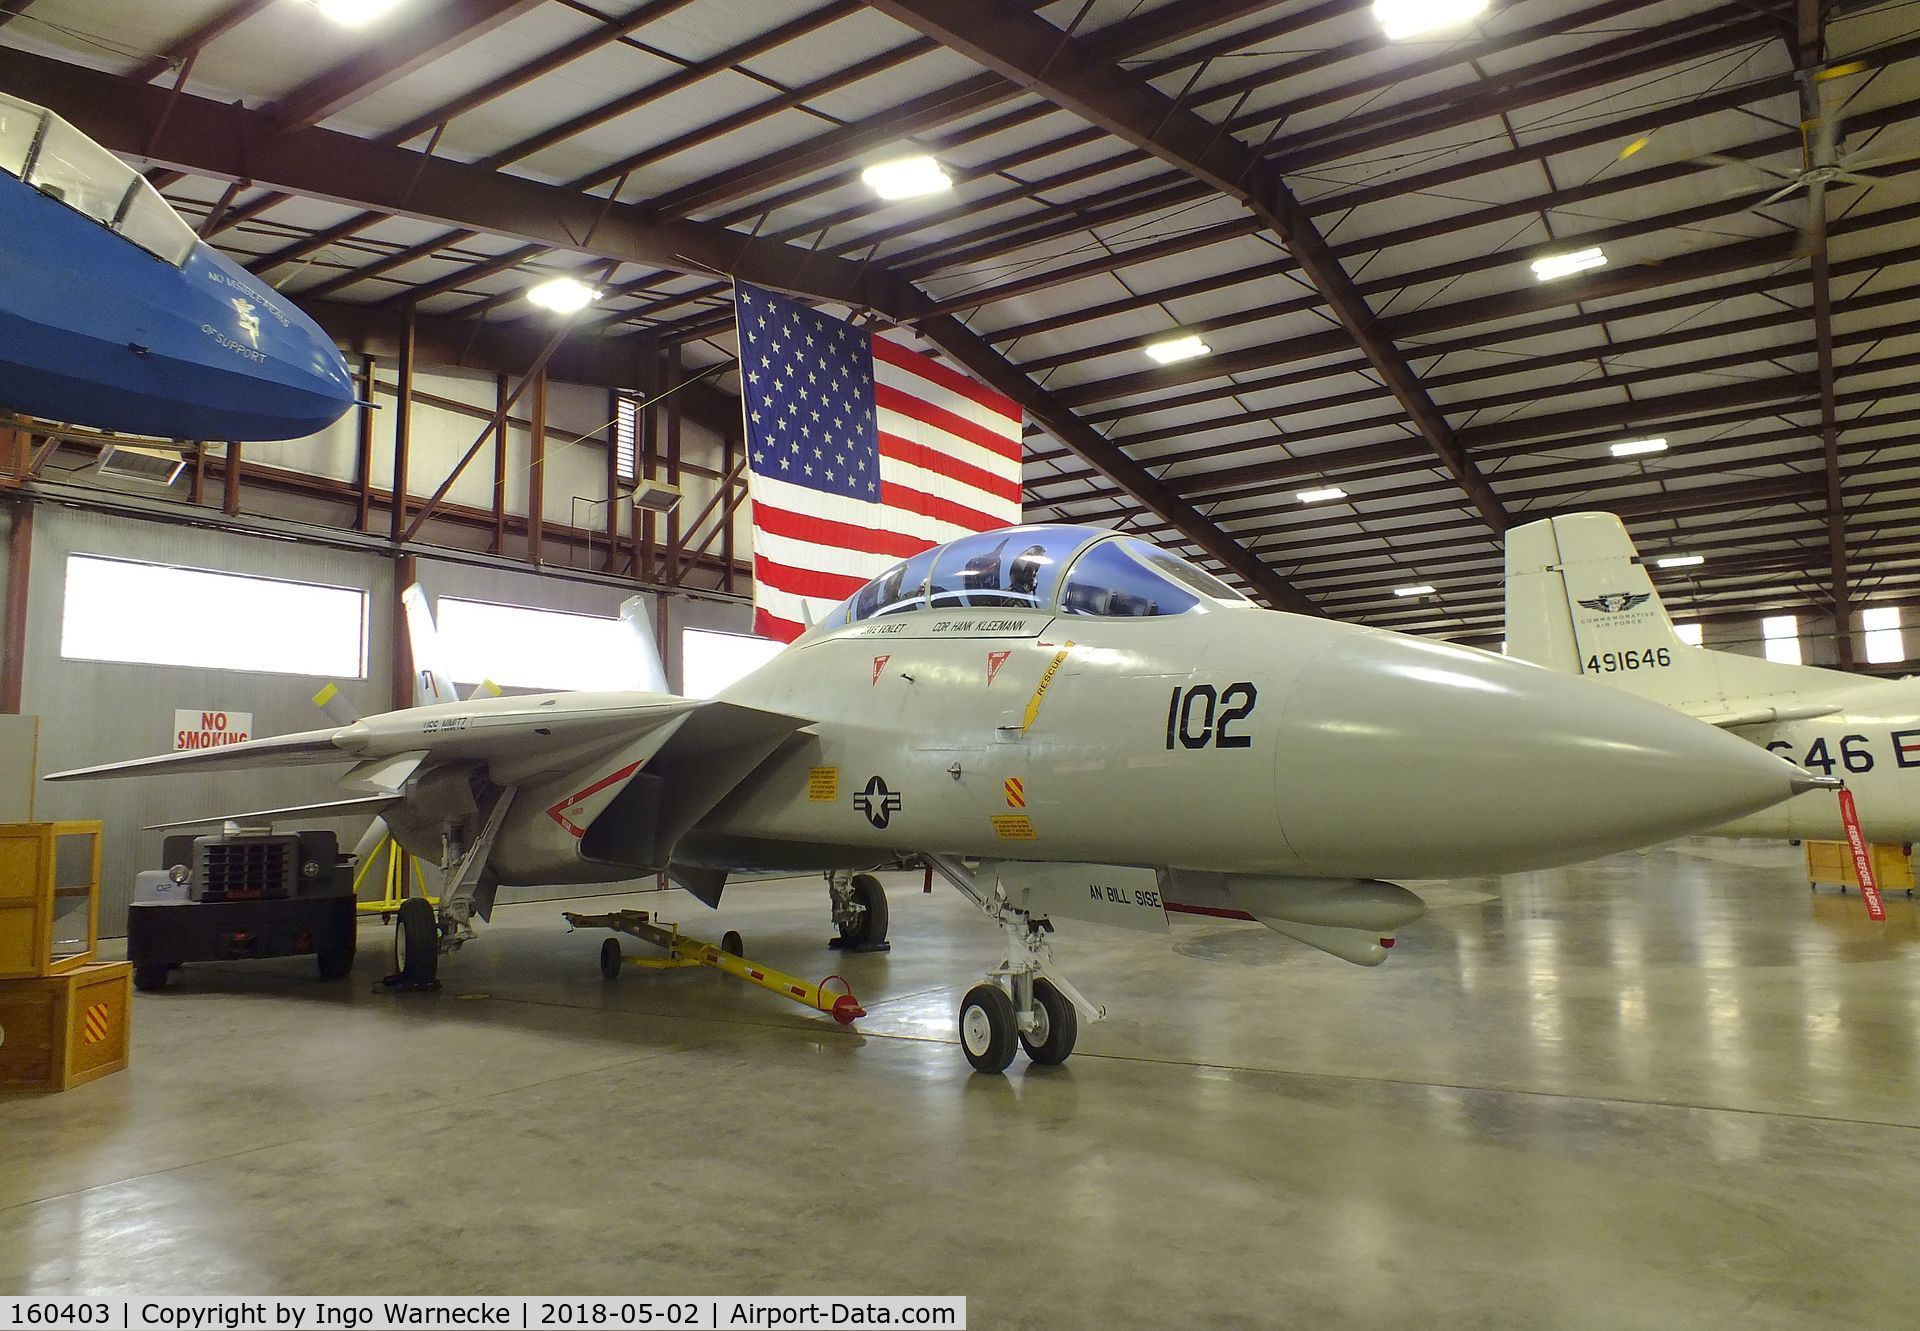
1580	602
114	315
1107	730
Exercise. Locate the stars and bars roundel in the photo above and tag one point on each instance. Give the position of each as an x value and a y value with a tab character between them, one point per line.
860	453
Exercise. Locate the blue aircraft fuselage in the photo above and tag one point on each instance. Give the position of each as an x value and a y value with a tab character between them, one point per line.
95	331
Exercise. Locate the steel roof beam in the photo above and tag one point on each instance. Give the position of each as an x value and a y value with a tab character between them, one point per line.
1032	52
231	143
419	42
1809	49
196	40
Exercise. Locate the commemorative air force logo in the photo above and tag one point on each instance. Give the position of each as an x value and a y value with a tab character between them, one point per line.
249	321
1614	602
877	802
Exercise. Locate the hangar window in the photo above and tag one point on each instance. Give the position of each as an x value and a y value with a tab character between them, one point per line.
626	435
519	647
1780	638
1127	578
154	614
1691	634
710	661
1885	642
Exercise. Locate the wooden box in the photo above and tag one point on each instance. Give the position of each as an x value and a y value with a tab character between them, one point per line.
1832	862
65	1029
49	897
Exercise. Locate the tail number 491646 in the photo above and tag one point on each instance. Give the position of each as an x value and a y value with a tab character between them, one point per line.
1203	717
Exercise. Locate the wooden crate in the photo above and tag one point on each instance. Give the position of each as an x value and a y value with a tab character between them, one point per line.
49	873
62	1030
1832	862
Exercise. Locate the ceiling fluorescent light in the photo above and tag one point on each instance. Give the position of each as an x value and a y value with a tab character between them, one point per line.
563	295
1635	447
1320	496
1168	350
1424	589
1410	18
1565	265
906	177
1680	561
354	13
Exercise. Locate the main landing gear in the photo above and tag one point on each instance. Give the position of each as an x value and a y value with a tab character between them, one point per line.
859	912
1023	1003
423	933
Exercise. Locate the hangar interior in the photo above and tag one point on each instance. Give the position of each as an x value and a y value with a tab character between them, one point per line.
1640	256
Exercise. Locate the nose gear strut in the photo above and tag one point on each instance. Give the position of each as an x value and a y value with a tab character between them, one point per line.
1024	1000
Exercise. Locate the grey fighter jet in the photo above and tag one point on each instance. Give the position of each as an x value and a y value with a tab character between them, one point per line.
1064	723
1580	601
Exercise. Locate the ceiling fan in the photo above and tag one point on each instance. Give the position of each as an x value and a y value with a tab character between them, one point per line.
1825	161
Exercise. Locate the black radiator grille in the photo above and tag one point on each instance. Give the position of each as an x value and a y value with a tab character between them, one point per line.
239	869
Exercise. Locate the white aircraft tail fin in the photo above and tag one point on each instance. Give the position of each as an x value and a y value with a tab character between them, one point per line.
431	682
1580	602
634	613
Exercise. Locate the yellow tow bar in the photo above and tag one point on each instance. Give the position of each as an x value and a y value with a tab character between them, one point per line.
681	950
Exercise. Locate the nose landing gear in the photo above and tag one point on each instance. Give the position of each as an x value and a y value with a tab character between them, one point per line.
1024	1002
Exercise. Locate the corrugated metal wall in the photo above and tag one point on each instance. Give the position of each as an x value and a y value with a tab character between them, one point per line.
96	712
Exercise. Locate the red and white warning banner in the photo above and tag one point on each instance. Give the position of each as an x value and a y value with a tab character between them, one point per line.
210	730
1862	858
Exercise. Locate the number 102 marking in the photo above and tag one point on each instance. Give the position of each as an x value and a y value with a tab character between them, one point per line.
1199	717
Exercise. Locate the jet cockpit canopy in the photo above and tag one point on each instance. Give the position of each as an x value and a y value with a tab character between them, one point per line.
1063	569
44	151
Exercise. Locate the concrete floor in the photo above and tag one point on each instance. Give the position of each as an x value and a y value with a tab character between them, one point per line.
1669	1089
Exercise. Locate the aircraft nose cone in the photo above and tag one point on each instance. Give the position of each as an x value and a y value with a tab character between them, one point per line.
1405	757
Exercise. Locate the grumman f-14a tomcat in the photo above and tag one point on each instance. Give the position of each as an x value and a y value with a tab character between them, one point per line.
1580	602
1064	723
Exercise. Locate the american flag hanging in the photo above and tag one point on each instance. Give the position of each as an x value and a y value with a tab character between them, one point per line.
859	454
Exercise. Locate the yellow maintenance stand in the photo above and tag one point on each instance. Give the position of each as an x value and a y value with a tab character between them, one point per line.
404	874
681	950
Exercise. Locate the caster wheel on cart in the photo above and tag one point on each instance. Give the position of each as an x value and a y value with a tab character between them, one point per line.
1055	1025
732	944
416	943
988	1033
151	979
610	959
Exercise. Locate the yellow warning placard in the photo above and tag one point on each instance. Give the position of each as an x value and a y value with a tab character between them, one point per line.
823	785
96	1025
1014	827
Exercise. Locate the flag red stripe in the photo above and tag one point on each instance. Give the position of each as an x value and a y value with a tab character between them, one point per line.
821	531
805	581
888	398
944	464
769	625
895	495
952	380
